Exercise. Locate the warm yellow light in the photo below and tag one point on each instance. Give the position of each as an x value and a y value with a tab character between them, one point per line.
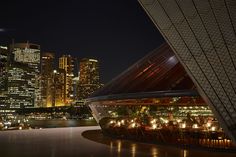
213	128
178	120
220	138
154	126
93	60
156	100
164	120
111	122
183	125
208	124
118	123
195	126
133	125
153	121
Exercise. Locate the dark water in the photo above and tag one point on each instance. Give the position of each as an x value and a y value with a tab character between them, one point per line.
57	123
69	142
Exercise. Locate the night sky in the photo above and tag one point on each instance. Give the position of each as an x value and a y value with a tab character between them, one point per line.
116	32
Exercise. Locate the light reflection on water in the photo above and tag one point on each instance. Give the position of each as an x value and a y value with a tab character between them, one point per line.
78	142
118	147
154	152
185	153
111	147
133	150
122	148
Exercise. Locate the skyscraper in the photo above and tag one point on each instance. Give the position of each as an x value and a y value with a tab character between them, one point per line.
23	73
58	88
46	84
67	64
88	77
3	75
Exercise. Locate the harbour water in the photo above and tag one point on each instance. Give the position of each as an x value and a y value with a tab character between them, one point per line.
85	142
57	123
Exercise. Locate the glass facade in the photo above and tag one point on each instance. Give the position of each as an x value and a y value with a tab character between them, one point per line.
3	76
89	80
170	120
46	84
58	88
202	35
23	72
66	63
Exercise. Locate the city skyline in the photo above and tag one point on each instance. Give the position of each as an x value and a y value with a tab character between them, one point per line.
50	55
93	30
135	78
31	78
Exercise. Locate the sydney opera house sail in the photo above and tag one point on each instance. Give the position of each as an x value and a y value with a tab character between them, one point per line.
202	34
155	101
183	92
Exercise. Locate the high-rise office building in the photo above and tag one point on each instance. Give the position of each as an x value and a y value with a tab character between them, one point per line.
46	81
58	88
66	63
3	76
23	72
88	77
75	88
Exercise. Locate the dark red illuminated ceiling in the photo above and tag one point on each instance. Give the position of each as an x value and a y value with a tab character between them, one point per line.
160	70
